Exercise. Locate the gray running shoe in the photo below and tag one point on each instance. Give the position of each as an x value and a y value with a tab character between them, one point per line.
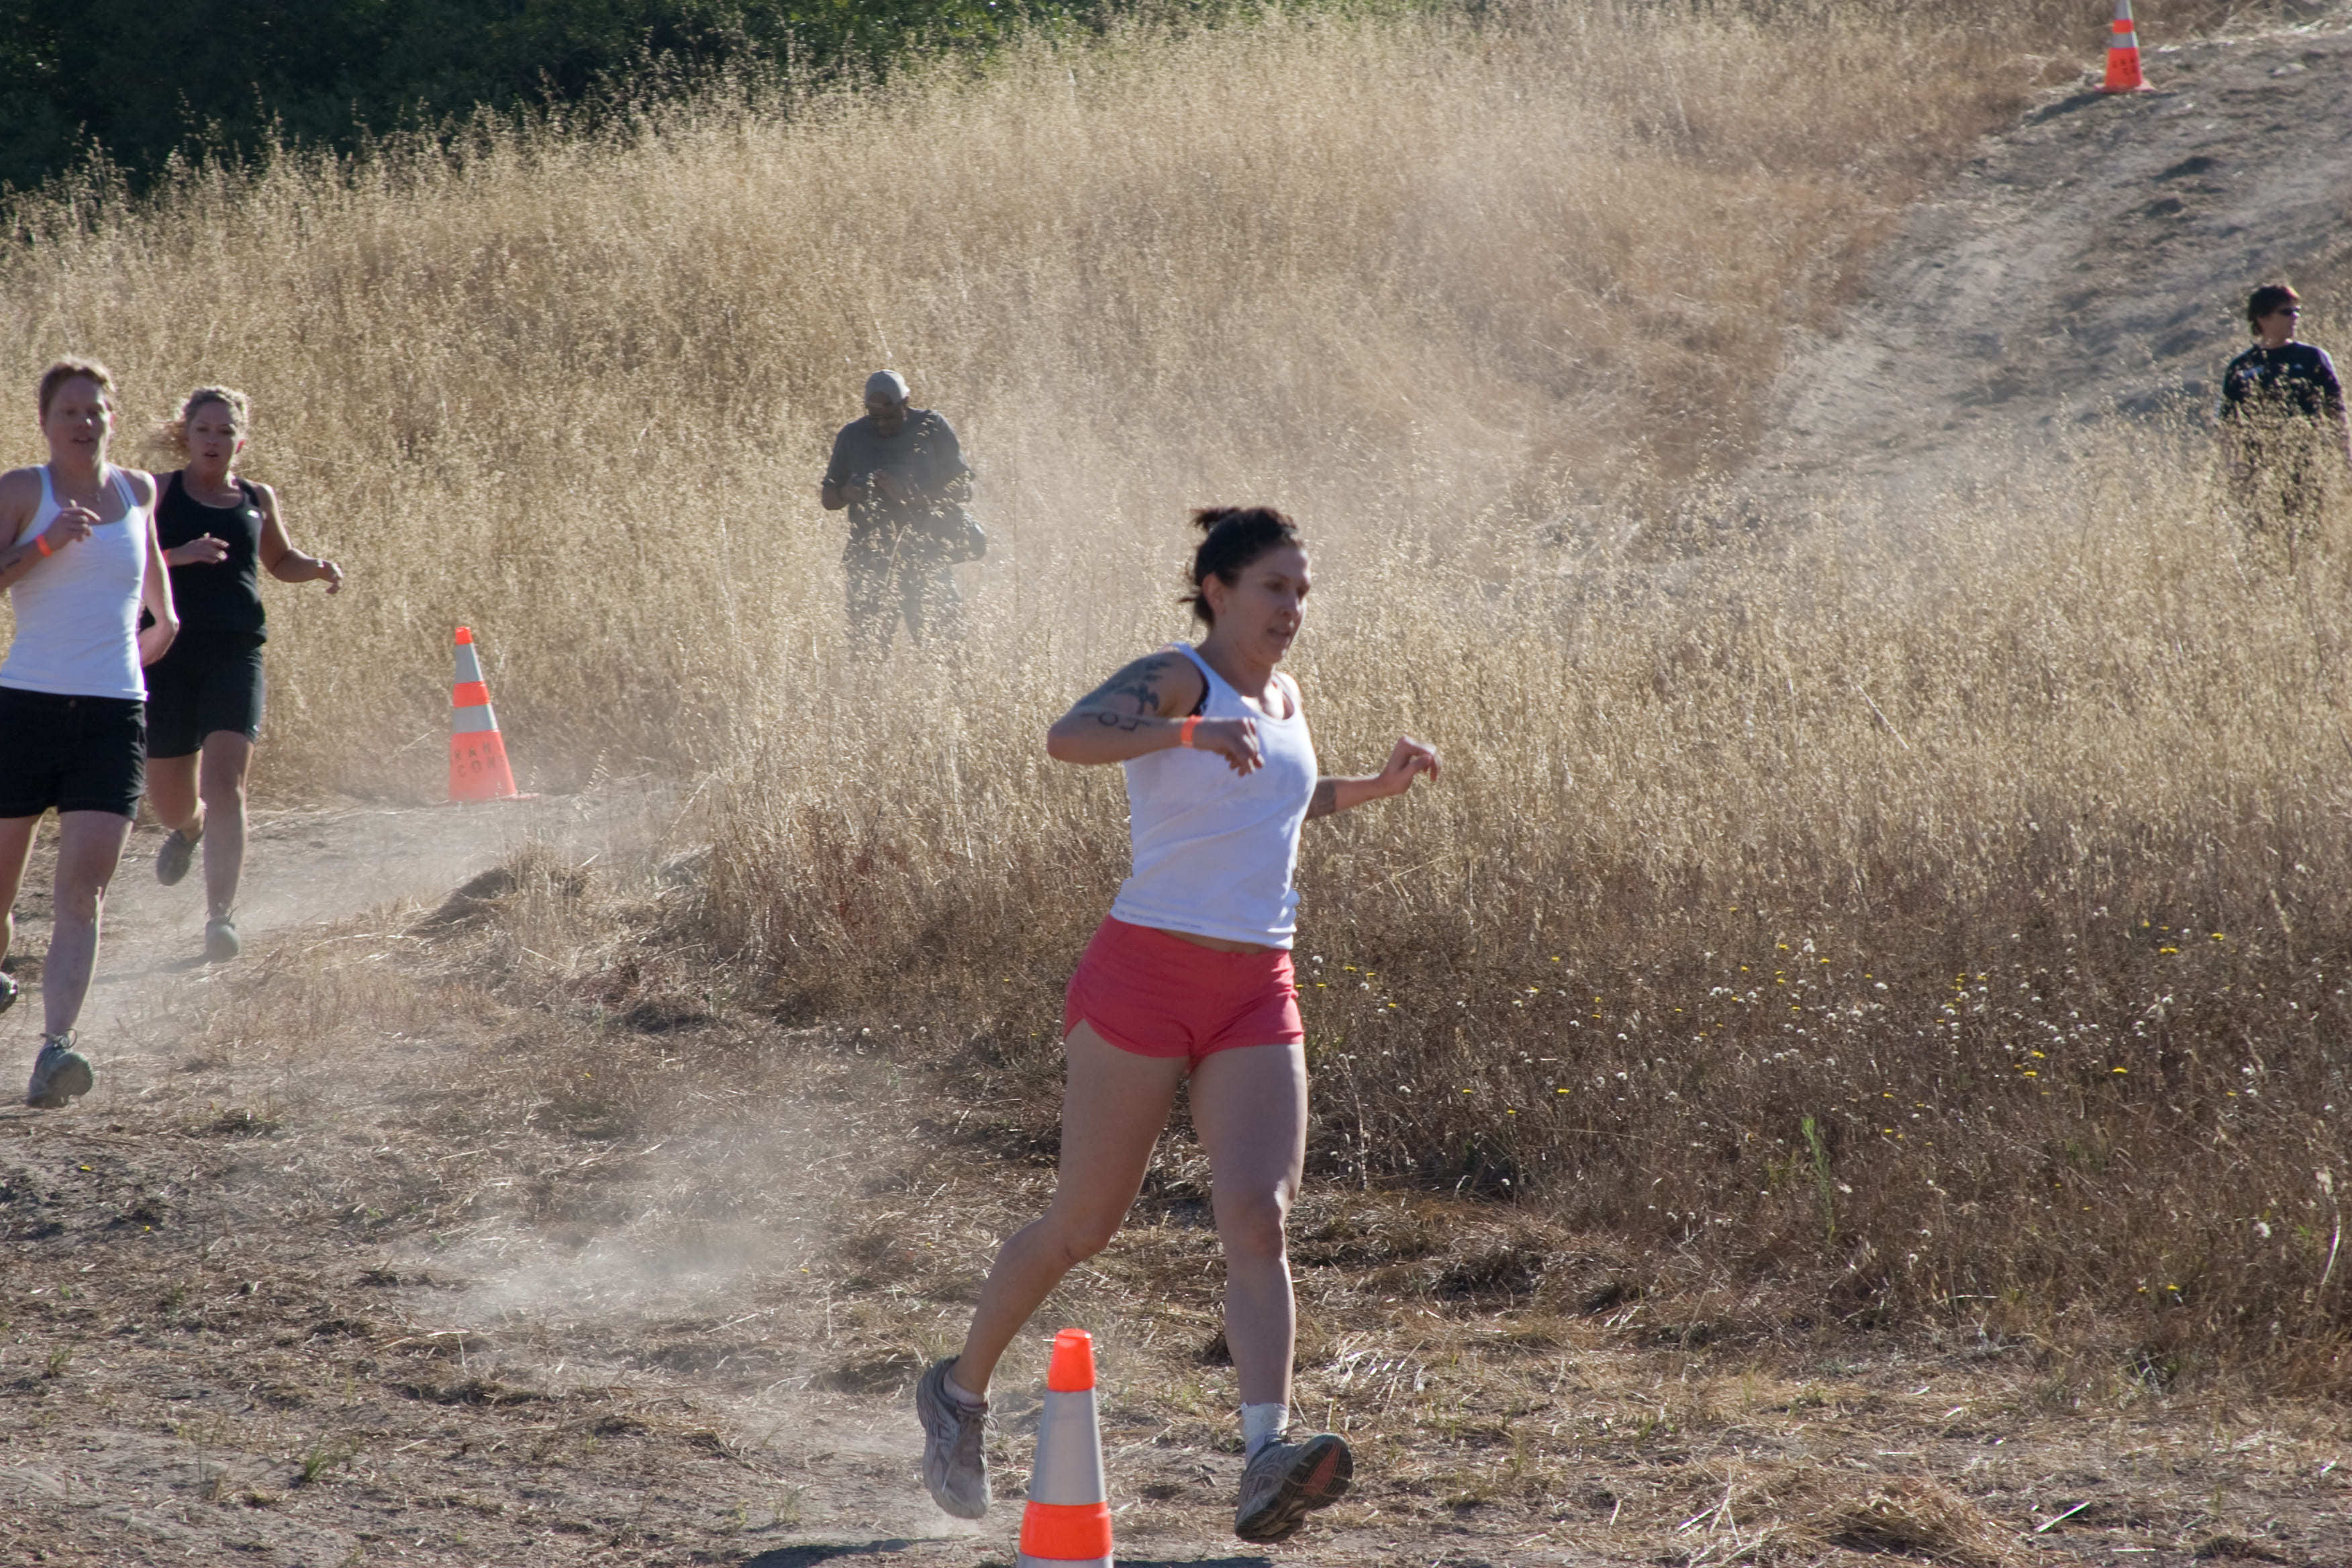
8	991
1288	1481
59	1074
220	941
172	861
955	1461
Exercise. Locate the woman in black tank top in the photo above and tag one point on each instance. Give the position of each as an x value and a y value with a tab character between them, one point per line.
204	704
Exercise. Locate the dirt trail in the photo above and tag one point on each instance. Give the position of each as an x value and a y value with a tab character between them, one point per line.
362	1264
304	868
2096	257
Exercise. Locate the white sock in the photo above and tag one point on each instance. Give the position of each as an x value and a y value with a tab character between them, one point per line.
962	1395
1261	1424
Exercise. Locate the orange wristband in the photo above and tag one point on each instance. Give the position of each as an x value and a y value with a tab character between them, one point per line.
1184	730
41	544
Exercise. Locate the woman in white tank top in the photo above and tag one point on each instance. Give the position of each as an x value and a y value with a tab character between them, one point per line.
1190	976
78	557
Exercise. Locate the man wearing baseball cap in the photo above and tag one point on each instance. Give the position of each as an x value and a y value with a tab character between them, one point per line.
901	474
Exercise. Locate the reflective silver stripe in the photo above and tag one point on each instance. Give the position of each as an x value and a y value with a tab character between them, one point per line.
1069	1469
472	720
469	667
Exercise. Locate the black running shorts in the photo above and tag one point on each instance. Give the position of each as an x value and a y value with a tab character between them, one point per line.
76	754
204	682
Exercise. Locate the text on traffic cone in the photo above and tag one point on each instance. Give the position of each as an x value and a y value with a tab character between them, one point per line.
1067	1519
2123	54
478	753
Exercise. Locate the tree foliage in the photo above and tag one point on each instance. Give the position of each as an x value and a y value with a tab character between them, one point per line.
140	82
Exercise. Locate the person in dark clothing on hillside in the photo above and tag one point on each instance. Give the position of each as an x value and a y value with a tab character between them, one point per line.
2283	420
902	476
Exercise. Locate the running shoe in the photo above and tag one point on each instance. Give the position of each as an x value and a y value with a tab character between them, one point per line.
220	941
1284	1482
59	1074
7	992
173	860
955	1459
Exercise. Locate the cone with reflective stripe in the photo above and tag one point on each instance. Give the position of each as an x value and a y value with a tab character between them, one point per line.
478	755
1068	1521
2123	55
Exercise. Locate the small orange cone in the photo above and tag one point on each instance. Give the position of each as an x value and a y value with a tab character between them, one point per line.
1068	1521
2123	55
478	755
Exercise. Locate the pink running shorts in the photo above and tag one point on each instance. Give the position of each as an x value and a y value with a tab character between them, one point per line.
1158	996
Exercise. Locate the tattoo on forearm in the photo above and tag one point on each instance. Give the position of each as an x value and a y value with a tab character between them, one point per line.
1126	722
1325	800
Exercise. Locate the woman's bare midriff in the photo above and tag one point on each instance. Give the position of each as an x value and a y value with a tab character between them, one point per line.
1215	944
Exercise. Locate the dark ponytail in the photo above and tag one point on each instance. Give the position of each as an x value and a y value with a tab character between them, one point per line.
1237	535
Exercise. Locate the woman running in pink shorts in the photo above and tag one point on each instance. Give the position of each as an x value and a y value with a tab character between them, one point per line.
1190	976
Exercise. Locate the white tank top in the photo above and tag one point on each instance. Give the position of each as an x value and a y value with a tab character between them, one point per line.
1214	850
78	610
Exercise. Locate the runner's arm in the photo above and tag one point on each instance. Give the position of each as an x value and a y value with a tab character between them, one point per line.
205	550
1408	759
1143	708
20	498
155	592
17	503
279	557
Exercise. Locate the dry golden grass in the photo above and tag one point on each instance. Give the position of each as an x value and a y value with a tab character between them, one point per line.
575	389
501	1228
2055	766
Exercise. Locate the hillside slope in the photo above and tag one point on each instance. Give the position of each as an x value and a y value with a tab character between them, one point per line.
2096	257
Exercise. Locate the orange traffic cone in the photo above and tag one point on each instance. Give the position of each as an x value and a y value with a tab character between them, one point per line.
478	755
2123	55
1069	1517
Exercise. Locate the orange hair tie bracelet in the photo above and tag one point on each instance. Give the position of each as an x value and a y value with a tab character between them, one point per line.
1184	730
41	544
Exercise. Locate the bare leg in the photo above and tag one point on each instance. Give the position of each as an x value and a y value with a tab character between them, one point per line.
1250	1107
90	845
16	853
1113	1109
171	793
226	756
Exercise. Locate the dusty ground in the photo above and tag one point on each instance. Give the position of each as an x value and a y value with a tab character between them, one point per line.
435	1241
488	1240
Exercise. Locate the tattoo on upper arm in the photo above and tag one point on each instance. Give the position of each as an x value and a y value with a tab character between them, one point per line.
1133	694
1325	800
